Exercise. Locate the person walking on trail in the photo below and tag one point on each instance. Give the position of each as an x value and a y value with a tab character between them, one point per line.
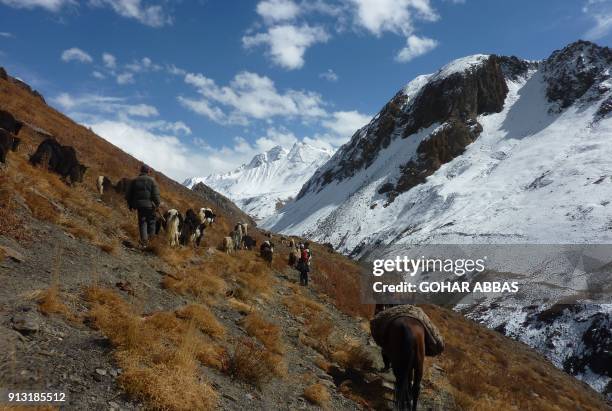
143	195
303	265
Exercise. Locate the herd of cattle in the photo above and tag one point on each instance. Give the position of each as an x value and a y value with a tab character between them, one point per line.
179	229
49	154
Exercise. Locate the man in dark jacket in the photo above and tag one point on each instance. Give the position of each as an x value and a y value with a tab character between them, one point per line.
143	195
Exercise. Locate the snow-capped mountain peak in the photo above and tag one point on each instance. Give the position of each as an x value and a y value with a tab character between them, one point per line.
489	149
269	180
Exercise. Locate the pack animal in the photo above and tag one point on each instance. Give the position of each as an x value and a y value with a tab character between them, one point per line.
236	236
207	216
172	223
249	242
266	251
294	256
228	245
103	184
9	123
193	229
403	349
8	142
59	159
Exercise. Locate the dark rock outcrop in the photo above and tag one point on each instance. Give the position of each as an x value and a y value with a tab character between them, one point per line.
453	100
573	70
462	96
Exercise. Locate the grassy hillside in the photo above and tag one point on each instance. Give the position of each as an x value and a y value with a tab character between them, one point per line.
185	329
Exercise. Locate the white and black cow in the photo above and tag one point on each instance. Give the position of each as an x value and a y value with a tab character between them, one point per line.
193	229
207	216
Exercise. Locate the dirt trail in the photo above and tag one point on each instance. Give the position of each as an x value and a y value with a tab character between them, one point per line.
45	353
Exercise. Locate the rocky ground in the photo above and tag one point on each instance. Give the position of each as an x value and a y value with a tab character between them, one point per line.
60	354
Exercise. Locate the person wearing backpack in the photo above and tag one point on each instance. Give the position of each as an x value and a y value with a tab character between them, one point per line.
143	196
303	264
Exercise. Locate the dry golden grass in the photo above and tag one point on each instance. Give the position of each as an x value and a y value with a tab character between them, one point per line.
200	282
489	372
300	306
320	328
322	363
352	355
78	230
254	364
50	302
339	278
317	394
202	318
110	247
267	333
41	207
239	306
159	354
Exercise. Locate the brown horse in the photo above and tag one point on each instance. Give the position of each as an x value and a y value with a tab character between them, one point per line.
404	349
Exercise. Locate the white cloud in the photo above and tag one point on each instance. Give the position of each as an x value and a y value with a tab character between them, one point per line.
6	34
397	16
176	71
150	15
98	75
344	123
76	54
329	75
98	104
51	5
250	95
600	11
287	33
164	152
125	78
204	108
142	110
277	10
287	43
415	46
153	15
130	127
109	60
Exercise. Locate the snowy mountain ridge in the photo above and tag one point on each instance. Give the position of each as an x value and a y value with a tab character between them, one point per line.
488	150
269	180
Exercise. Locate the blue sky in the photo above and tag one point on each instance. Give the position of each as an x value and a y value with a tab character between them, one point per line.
199	86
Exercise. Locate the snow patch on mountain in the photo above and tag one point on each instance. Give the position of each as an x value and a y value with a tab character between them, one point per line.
269	180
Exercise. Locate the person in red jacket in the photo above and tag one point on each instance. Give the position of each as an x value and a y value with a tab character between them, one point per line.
303	265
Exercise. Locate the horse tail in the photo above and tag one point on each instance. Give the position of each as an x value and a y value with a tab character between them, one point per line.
404	371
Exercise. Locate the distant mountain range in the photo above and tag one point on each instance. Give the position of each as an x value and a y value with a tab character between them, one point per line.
269	180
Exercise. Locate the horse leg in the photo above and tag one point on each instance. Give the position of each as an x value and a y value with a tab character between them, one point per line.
419	351
386	362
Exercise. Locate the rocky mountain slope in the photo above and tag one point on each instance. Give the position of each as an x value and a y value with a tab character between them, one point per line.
85	313
489	149
269	180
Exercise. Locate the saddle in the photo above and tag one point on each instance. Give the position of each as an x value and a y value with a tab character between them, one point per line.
434	343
